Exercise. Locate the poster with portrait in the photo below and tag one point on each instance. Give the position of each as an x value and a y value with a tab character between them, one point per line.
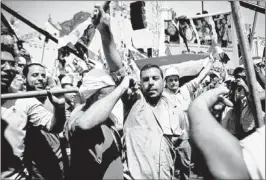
199	34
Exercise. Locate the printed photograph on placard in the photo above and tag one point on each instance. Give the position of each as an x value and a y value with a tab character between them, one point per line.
171	33
205	29
223	28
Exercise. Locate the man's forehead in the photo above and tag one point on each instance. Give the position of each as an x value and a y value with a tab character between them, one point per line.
36	68
151	72
7	56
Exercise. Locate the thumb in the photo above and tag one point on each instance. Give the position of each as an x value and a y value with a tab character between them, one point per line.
212	96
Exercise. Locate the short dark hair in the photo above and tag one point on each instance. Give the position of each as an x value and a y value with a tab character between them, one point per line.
205	12
149	66
26	69
238	70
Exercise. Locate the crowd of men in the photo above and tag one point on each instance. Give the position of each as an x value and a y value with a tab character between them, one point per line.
117	127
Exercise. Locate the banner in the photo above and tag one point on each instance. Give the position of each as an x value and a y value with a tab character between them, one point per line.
199	34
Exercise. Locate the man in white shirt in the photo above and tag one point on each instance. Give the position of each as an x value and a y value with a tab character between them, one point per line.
16	116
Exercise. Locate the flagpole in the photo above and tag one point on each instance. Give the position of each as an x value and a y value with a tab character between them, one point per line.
248	64
202	6
253	27
46	40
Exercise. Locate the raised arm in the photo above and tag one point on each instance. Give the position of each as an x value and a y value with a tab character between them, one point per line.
221	150
206	70
99	111
102	20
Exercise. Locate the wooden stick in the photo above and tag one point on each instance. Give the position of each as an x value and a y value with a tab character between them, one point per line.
248	63
26	21
31	94
253	27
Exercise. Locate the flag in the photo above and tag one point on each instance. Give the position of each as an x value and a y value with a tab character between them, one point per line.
69	25
75	34
49	27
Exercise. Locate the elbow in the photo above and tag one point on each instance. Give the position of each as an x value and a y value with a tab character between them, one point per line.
56	128
88	123
57	125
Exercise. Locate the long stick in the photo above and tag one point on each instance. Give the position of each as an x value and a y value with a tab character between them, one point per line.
249	68
252	6
14	13
253	27
43	51
30	94
202	6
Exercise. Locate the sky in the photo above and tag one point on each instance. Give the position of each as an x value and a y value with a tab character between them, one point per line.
38	11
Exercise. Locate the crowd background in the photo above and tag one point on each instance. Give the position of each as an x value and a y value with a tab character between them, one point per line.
47	141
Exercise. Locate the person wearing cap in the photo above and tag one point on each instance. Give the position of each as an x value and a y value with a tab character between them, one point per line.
16	116
181	97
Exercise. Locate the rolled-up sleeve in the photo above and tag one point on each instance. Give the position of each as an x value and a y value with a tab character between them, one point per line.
38	115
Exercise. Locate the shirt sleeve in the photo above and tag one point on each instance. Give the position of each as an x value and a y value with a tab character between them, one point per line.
254	153
38	115
188	89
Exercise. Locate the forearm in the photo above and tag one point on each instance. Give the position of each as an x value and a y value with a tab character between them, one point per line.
221	151
204	72
99	111
110	51
58	120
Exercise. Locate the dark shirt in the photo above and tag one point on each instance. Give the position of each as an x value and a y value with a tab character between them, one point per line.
94	153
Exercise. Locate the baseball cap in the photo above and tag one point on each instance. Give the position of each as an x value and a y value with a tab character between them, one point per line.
171	72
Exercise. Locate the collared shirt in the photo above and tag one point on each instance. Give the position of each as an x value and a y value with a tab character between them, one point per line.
16	116
148	152
253	148
182	99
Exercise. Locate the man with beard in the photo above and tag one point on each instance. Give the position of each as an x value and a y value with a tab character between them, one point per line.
16	117
152	121
50	164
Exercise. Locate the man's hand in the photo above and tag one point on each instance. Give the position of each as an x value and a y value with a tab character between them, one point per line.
212	97
241	83
129	85
58	101
100	19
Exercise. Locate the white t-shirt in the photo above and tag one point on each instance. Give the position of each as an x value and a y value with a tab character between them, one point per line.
254	153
